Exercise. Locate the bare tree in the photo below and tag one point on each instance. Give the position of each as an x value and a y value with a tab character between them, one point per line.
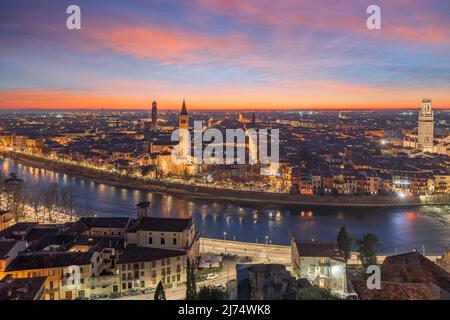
15	200
50	200
67	200
35	199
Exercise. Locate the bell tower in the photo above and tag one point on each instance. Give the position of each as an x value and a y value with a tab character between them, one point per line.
183	125
425	140
154	116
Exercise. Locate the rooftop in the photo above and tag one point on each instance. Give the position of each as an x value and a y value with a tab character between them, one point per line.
318	249
394	291
49	260
21	289
161	224
414	267
106	222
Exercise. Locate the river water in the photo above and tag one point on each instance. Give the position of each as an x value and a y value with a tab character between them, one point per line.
398	229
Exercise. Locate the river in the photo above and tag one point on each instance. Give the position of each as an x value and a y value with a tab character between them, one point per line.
398	229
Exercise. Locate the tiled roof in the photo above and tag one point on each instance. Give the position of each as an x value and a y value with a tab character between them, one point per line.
3	212
106	222
414	267
318	249
49	260
5	247
21	289
141	254
161	224
394	291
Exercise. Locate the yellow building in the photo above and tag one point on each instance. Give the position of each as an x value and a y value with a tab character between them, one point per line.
68	273
141	268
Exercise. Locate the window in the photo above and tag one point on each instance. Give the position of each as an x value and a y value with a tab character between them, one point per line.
142	273
178	268
154	264
142	265
154	274
163	272
168	270
150	240
163	241
124	286
178	278
168	261
124	267
124	276
142	284
174	241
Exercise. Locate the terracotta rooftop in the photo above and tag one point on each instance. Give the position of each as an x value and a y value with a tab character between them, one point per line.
49	260
21	289
414	267
318	249
106	222
394	291
5	247
161	224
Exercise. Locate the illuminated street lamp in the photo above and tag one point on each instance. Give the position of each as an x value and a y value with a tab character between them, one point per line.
224	236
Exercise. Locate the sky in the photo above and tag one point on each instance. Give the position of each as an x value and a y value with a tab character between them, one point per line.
224	54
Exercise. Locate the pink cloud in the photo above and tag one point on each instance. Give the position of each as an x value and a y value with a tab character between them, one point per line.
168	45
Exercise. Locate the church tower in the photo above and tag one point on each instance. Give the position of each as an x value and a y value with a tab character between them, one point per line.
183	118
426	127
154	116
183	125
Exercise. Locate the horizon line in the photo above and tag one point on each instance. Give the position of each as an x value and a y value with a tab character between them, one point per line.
225	109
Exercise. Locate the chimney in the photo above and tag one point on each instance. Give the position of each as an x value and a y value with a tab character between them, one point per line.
143	209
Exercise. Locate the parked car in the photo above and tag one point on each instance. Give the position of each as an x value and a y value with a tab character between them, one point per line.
200	279
134	292
148	291
115	295
211	276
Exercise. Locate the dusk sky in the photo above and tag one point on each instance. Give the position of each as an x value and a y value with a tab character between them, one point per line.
224	54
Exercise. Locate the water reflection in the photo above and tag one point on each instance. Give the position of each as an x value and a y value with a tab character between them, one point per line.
397	229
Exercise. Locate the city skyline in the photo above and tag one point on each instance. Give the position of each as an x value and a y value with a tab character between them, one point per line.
224	55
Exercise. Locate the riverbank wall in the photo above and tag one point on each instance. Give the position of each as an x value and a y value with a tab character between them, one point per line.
226	195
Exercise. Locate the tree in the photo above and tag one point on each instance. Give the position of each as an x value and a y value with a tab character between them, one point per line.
367	248
159	292
15	200
345	242
191	290
315	293
211	293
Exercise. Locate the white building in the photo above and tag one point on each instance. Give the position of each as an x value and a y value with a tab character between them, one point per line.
321	263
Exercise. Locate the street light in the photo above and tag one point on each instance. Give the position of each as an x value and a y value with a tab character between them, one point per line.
224	236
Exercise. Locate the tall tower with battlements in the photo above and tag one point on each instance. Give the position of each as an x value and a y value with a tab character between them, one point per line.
154	116
425	140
